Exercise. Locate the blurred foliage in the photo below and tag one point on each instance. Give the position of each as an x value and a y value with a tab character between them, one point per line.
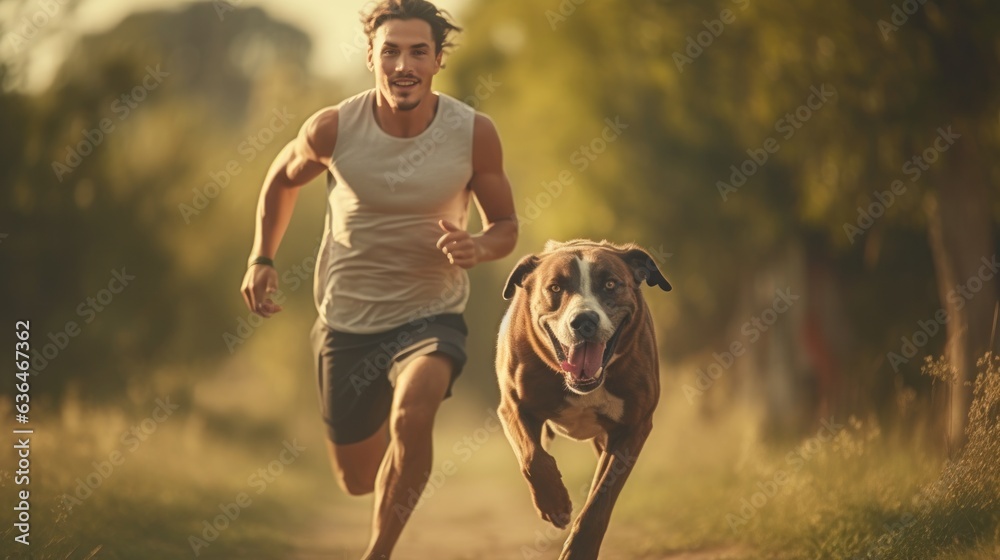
696	94
556	77
617	122
195	106
961	506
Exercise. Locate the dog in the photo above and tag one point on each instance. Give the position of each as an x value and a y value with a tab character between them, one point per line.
577	356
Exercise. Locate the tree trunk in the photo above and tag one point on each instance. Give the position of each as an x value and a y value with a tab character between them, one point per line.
961	239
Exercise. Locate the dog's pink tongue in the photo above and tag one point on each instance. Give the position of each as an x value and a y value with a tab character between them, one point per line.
584	360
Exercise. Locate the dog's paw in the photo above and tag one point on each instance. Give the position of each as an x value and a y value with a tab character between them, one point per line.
553	503
548	492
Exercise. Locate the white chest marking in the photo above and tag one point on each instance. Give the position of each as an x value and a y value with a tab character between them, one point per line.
579	419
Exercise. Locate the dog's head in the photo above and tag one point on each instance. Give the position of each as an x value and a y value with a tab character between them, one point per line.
580	296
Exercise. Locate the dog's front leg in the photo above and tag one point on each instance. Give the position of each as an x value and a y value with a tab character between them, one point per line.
524	431
613	468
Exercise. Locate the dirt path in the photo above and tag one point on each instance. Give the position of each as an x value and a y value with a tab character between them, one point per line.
483	510
469	521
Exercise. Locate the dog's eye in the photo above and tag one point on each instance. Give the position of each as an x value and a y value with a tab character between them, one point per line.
555	288
610	285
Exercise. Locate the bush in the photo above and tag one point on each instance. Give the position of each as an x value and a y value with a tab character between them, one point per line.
961	508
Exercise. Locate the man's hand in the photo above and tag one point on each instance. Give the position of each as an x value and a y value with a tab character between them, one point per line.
458	245
259	283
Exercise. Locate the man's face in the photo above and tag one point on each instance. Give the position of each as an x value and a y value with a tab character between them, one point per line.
404	62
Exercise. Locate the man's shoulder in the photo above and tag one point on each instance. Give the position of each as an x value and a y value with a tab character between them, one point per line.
354	99
328	115
324	117
331	111
320	131
454	102
481	122
484	121
483	126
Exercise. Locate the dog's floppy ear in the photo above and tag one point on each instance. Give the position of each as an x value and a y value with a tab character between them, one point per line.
523	267
644	268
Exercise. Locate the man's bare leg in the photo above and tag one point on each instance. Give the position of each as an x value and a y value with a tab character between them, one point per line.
419	391
355	465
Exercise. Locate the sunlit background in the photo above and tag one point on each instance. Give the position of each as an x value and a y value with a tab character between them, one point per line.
818	181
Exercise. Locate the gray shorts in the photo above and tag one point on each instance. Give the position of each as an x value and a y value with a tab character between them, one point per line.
356	373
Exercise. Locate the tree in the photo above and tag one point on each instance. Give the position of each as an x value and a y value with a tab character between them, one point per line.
140	121
847	101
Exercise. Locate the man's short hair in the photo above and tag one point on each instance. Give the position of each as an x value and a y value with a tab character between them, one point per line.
439	20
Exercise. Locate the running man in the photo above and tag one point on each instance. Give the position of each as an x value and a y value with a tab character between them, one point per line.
391	282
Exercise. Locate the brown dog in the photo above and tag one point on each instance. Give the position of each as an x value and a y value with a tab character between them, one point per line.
577	355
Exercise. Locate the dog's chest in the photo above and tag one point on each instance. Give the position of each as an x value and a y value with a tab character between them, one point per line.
578	420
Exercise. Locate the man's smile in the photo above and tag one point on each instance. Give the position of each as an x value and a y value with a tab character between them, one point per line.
404	84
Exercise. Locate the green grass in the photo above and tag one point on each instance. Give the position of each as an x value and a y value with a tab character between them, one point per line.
864	494
155	497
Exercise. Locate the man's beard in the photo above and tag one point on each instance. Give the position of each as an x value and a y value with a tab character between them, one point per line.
404	102
408	105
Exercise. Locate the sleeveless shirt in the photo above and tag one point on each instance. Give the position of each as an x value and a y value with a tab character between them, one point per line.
378	265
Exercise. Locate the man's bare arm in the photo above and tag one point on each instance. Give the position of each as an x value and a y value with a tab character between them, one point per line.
494	200
299	162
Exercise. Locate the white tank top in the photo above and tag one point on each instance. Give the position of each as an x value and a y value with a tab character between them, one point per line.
378	266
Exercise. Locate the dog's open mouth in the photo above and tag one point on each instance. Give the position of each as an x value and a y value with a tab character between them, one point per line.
585	361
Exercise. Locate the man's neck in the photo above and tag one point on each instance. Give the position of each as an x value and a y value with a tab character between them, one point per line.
405	124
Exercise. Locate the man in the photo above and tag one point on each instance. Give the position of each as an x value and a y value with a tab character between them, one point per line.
391	281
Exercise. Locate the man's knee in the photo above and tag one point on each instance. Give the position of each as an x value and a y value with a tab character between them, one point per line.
355	466
356	483
355	479
420	389
413	420
423	383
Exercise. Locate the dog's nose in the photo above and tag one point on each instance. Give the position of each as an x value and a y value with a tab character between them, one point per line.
585	323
